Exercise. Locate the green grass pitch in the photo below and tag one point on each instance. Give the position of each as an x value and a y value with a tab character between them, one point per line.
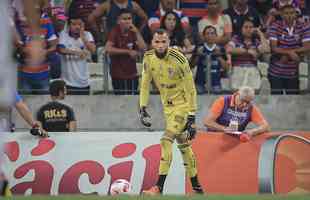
169	197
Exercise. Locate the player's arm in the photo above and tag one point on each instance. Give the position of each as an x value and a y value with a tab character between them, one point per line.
189	86
190	95
145	92
145	83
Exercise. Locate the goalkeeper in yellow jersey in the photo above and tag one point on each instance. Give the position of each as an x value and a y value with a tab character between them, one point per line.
170	71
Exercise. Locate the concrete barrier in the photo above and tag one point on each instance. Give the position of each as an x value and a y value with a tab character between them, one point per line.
120	113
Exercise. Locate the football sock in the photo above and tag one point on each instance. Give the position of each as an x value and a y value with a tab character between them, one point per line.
196	185
160	182
188	159
4	189
166	155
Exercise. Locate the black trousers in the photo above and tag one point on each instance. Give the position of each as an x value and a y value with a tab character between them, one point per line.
283	85
125	86
78	91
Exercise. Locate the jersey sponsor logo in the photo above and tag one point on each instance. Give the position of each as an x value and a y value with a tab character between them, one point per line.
179	119
53	113
236	113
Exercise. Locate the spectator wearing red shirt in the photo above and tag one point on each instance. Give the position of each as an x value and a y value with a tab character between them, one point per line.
123	46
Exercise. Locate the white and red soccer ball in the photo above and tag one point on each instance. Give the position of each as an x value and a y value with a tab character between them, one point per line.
120	186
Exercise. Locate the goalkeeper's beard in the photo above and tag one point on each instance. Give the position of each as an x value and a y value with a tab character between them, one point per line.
161	55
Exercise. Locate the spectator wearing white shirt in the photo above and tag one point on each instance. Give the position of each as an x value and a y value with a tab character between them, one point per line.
74	46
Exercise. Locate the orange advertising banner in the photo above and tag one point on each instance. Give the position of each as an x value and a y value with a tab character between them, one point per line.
268	163
84	163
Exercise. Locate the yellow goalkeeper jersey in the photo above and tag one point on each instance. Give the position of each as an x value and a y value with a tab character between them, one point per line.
173	78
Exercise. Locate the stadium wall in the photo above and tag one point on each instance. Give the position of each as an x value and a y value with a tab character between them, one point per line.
89	163
120	113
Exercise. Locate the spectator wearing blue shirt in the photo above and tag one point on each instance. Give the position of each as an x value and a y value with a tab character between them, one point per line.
217	61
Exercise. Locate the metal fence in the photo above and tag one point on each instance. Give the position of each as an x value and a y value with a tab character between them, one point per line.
103	83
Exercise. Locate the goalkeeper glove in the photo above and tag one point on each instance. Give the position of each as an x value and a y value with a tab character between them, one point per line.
145	117
190	127
37	131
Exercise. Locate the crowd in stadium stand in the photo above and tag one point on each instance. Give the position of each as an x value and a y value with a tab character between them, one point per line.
230	40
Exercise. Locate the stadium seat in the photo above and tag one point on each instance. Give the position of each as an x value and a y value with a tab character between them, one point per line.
303	76
95	69
263	68
303	69
242	76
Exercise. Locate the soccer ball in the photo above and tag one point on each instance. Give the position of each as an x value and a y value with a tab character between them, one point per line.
120	186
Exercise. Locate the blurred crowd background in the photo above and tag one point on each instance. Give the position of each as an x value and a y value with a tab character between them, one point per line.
97	46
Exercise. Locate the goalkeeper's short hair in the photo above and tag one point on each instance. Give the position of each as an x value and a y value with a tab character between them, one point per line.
57	86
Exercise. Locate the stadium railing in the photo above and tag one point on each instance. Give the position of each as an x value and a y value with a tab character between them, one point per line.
101	80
